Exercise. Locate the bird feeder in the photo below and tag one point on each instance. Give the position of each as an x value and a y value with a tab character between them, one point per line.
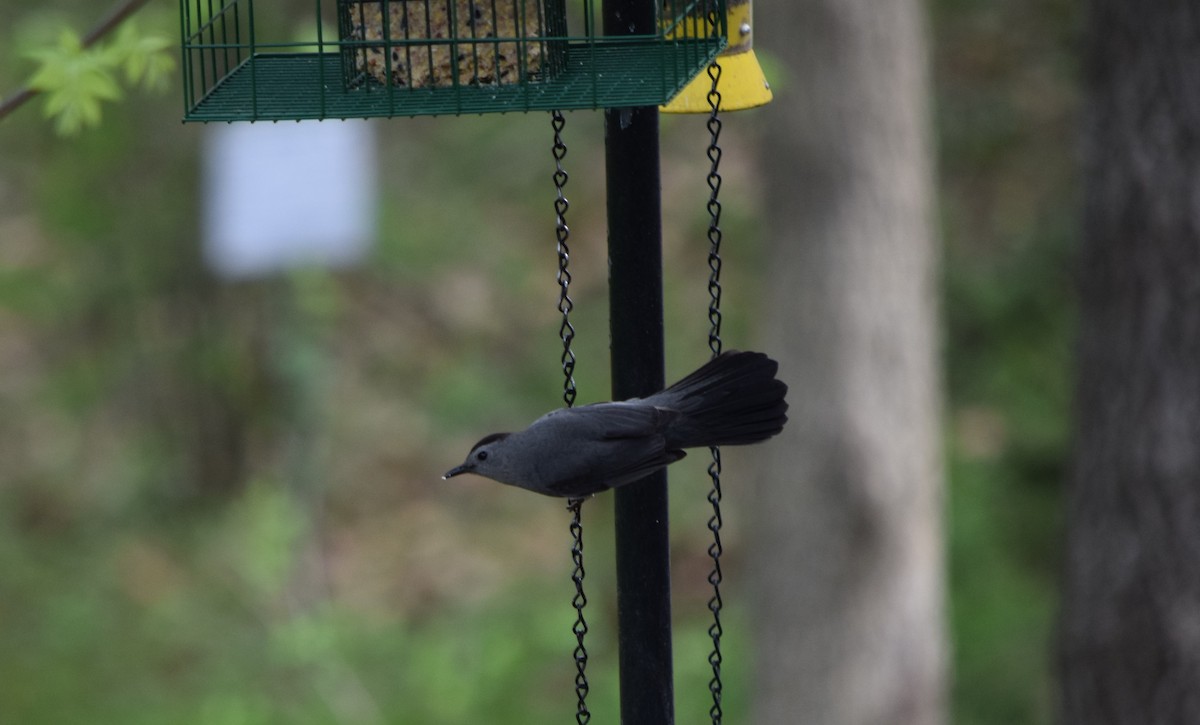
431	57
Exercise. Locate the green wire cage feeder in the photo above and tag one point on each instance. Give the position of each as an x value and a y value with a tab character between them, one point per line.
430	57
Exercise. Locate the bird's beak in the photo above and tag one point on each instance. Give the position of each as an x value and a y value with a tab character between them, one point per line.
455	471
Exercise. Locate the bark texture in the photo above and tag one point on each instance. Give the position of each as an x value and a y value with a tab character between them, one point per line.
848	523
1131	612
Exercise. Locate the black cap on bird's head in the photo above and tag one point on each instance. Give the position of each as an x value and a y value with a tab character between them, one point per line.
478	455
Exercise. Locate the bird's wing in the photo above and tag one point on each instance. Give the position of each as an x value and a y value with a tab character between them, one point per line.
619	421
633	429
632	468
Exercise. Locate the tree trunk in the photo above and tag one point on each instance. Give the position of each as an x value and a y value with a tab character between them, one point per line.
848	537
1131	610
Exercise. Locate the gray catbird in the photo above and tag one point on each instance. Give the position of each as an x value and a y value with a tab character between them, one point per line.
732	400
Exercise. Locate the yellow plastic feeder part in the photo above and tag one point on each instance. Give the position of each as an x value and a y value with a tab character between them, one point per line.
742	84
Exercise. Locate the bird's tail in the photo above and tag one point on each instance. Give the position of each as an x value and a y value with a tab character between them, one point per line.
734	399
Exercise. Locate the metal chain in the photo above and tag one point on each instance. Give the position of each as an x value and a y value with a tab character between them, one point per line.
714	343
566	331
562	233
580	628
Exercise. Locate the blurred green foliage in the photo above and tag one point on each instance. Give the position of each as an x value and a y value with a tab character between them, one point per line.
219	502
1007	92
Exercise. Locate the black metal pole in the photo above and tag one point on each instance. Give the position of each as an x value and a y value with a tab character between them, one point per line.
636	328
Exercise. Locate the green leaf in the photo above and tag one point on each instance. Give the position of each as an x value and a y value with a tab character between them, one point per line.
75	80
143	57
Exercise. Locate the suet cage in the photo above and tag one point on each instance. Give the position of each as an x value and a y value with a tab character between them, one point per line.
431	57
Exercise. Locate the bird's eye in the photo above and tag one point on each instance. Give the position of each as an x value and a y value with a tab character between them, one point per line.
481	456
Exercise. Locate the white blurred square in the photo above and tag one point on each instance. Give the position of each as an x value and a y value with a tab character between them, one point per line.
282	195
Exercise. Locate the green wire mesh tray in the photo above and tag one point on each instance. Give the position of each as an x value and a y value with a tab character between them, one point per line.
431	57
